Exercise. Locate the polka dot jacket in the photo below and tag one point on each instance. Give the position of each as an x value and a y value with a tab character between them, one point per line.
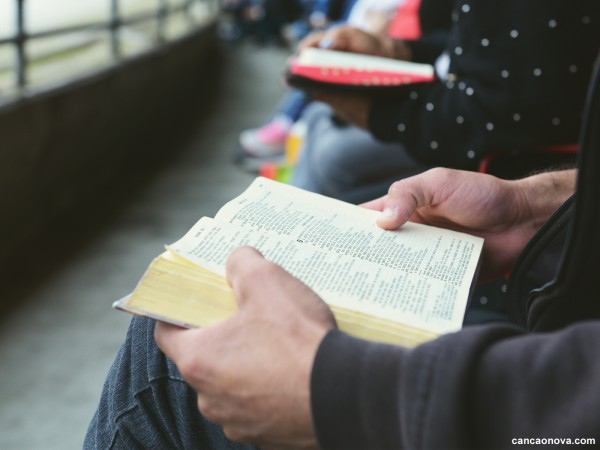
517	76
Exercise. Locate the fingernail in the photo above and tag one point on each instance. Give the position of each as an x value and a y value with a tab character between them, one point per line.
325	42
388	213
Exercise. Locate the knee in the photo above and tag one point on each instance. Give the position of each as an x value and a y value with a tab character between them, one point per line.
321	169
331	168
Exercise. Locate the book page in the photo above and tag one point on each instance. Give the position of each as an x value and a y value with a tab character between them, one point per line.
345	60
418	274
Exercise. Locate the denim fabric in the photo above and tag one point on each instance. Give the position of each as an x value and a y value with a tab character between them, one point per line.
145	404
292	104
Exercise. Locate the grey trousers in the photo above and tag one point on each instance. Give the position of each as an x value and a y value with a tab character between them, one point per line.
346	162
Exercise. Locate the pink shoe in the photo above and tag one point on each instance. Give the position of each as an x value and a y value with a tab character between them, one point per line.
268	140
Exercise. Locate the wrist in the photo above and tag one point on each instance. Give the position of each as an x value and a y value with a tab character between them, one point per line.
543	193
401	50
395	49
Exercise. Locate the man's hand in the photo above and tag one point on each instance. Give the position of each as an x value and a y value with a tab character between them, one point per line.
252	372
505	213
352	107
349	39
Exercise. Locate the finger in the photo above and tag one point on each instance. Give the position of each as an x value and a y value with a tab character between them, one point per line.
330	39
327	42
257	282
377	204
240	261
403	200
312	40
344	37
245	268
169	338
333	39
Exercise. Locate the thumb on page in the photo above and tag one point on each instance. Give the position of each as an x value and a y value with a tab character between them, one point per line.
244	270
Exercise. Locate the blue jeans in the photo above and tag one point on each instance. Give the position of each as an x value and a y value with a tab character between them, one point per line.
292	104
145	404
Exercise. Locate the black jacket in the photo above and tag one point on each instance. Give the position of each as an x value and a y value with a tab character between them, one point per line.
517	79
487	386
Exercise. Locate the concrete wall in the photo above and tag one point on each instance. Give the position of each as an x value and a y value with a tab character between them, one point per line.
63	152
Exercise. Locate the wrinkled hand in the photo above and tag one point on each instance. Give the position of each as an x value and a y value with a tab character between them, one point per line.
505	213
252	372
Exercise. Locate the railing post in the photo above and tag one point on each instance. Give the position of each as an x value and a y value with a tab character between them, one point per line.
115	25
188	12
20	39
161	13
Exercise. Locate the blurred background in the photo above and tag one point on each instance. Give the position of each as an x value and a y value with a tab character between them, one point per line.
119	124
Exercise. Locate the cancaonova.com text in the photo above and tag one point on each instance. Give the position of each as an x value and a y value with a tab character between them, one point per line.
553	441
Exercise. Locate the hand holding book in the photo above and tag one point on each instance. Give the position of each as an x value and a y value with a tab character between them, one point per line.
505	213
279	325
345	67
401	286
349	58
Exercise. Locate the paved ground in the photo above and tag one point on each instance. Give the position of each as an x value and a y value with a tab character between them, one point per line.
58	341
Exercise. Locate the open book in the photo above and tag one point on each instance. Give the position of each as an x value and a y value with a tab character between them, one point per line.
315	67
404	286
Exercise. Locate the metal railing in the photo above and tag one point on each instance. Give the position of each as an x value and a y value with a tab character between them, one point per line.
115	23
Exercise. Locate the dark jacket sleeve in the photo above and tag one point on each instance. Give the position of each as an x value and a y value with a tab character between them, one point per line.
479	388
435	17
518	72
